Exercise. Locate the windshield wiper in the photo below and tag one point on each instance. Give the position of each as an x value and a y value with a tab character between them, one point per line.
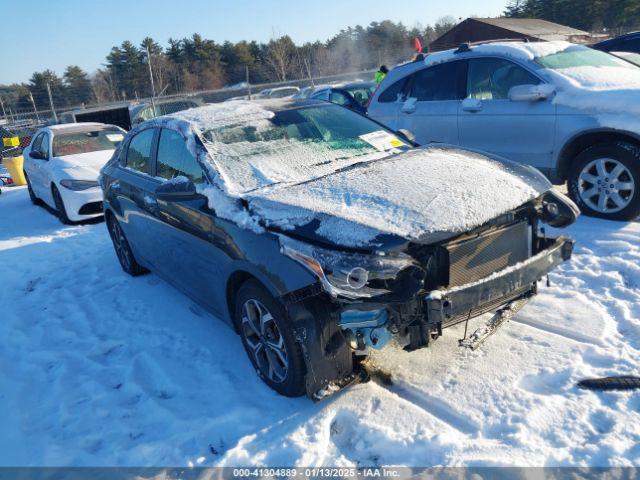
267	186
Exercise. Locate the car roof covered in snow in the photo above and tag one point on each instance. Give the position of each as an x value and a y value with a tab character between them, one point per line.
215	115
79	127
523	51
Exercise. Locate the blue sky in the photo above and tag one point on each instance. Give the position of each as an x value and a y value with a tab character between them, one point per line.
54	34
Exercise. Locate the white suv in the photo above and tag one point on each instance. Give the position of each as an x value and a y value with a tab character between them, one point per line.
568	110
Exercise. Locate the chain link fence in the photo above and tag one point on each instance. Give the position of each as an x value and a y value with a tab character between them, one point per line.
21	123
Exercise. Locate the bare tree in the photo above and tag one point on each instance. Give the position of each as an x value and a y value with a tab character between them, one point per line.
281	56
103	86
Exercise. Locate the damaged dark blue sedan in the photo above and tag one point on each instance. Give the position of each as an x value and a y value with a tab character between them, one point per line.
318	234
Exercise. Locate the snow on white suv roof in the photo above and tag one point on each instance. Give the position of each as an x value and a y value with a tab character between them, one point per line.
566	109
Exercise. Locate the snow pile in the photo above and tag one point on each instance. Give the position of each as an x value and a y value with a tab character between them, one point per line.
229	208
224	114
424	195
98	368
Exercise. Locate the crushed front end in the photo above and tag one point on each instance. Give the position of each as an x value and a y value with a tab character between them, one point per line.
363	301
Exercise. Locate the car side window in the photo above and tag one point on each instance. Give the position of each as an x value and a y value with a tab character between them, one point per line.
43	148
492	78
339	98
321	95
393	93
139	151
35	146
174	158
436	83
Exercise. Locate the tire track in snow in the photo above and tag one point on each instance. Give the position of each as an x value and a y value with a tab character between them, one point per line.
435	407
545	327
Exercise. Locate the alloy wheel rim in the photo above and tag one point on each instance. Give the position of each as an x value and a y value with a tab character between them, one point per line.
606	185
265	342
119	243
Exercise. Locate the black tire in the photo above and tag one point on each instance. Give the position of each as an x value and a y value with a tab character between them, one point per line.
123	250
253	296
32	195
613	155
57	200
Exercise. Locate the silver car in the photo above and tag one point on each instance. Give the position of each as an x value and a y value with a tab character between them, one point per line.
568	110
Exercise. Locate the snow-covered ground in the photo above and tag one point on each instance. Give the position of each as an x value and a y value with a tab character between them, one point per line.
98	368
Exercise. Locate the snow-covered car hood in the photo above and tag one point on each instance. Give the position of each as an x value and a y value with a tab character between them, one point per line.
604	90
425	195
84	165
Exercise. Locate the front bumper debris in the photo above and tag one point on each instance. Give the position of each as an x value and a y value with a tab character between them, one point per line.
498	319
452	306
330	331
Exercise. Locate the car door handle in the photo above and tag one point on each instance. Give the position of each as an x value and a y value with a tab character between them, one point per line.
470	105
408	110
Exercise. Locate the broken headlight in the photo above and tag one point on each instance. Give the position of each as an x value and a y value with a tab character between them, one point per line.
350	275
557	210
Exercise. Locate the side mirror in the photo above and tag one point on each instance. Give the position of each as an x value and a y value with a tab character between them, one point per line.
531	93
176	189
408	134
36	155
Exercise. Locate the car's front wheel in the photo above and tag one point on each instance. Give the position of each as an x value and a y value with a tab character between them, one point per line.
32	195
122	248
59	203
268	339
604	181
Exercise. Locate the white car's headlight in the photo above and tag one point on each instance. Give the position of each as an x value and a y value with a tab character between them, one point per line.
78	185
351	275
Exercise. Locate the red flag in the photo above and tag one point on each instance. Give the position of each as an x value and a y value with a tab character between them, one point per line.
417	45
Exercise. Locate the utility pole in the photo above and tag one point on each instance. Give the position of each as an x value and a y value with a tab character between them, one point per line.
246	71
34	106
53	109
153	87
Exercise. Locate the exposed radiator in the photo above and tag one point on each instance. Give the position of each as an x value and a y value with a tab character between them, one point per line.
473	259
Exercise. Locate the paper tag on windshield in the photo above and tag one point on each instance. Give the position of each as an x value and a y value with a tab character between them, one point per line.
115	137
382	140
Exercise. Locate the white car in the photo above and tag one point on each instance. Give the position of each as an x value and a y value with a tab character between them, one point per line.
62	164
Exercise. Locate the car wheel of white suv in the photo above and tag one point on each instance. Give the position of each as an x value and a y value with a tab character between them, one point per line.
604	181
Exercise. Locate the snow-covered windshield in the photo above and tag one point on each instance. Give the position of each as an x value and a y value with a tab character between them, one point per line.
296	144
580	56
592	69
629	57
